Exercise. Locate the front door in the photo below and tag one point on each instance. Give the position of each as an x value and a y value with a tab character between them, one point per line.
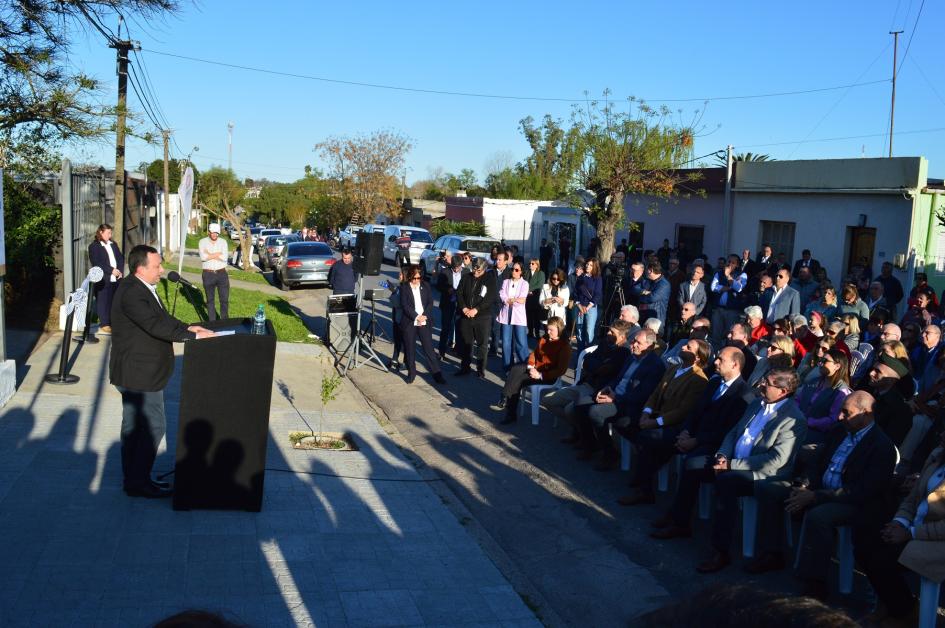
862	245
692	235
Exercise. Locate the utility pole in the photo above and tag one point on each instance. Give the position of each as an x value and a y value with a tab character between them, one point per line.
167	196
892	107
122	46
229	134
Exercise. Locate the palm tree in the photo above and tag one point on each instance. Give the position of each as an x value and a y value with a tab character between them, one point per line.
720	157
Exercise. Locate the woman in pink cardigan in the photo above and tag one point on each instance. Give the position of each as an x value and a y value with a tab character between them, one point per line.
512	317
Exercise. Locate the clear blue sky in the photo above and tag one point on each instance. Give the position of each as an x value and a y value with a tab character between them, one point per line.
539	49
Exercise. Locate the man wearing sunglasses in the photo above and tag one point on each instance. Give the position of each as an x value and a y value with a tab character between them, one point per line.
783	300
761	446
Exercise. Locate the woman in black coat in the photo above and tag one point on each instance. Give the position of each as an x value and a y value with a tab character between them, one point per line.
106	255
416	302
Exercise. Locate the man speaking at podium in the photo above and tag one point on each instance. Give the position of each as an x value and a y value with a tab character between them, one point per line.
140	366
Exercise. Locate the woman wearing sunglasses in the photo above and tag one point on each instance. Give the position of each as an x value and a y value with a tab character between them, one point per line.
416	301
513	319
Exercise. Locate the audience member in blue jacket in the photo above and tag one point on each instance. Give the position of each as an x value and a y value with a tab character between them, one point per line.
588	298
654	299
625	396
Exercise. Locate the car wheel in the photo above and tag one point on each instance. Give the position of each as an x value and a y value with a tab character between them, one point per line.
285	287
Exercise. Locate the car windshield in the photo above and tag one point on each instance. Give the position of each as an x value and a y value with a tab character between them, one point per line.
417	236
354	229
280	240
269	232
255	230
301	249
478	246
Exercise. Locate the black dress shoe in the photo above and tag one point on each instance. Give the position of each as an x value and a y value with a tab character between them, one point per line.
671	532
161	484
509	419
463	371
765	563
573	438
481	374
438	378
637	499
394	365
499	406
718	562
411	378
149	491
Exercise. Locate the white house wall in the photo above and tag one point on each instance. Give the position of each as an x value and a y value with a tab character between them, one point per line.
667	214
821	222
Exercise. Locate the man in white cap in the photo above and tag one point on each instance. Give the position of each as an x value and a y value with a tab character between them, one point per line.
213	256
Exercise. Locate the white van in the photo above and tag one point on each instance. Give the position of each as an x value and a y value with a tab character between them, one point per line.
420	239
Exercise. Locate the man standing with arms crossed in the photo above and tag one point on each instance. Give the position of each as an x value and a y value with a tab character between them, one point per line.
141	363
213	256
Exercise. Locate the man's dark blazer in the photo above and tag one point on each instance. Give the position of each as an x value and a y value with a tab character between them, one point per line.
142	335
866	475
598	370
98	256
444	283
410	310
645	380
470	294
710	420
814	267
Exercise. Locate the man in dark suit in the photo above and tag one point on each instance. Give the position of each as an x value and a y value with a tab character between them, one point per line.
722	403
141	363
623	397
654	298
806	262
693	291
474	300
417	303
848	485
447	282
499	273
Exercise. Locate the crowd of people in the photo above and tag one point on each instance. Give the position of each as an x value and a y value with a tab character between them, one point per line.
822	401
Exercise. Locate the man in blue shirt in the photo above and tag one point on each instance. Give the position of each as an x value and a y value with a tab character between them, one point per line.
847	485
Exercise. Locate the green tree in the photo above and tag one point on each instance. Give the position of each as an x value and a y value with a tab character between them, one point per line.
175	168
721	157
43	101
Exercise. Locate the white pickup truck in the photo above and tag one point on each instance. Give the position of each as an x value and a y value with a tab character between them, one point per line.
349	235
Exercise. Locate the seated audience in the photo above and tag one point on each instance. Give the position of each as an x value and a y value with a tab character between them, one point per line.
821	400
924	354
738	337
706	421
847	486
680	328
623	397
600	367
815	324
922	287
758	328
919	312
545	365
851	331
809	369
785	327
631	314
781	351
826	305
836	330
876	300
910	336
891	410
915	539
761	446
851	303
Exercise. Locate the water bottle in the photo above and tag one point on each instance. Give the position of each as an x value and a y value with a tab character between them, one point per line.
259	321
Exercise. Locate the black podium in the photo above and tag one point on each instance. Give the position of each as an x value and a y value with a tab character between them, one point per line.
223	429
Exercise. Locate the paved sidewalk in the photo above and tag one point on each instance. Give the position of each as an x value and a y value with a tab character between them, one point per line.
344	538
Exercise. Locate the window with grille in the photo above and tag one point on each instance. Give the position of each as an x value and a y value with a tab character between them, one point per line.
780	236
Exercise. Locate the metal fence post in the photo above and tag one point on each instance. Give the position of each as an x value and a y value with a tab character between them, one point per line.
65	183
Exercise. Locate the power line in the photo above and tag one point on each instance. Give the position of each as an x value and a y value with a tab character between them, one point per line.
144	102
911	35
439	92
150	91
848	137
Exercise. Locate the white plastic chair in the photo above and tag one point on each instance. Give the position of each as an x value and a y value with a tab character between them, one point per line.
856	359
844	555
929	591
662	479
580	362
749	526
532	395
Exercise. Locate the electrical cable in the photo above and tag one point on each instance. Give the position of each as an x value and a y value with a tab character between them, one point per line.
499	96
848	137
133	80
911	35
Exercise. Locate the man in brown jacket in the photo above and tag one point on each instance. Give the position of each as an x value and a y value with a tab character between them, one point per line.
914	538
667	408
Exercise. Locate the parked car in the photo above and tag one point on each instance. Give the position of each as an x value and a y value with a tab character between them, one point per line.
420	240
304	263
254	233
261	238
349	235
270	252
453	243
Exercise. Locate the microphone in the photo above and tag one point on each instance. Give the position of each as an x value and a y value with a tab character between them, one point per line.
175	277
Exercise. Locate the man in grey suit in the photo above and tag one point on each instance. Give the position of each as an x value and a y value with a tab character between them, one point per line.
783	300
761	446
693	291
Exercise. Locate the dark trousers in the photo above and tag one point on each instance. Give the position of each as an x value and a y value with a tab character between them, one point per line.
880	562
592	420
397	333
213	281
729	486
517	379
654	449
411	333
534	314
447	323
103	301
495	335
820	523
474	331
142	428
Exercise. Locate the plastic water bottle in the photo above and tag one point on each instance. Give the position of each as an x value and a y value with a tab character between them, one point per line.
259	321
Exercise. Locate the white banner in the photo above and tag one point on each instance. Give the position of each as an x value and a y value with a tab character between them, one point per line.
186	195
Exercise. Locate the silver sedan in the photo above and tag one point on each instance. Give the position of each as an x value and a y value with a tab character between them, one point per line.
304	263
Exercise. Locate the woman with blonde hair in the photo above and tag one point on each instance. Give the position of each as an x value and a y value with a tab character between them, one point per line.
851	331
780	354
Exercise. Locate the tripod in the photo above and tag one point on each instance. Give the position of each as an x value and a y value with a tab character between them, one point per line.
359	342
616	297
374	327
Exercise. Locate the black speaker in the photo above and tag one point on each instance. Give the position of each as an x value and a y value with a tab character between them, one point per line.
369	253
